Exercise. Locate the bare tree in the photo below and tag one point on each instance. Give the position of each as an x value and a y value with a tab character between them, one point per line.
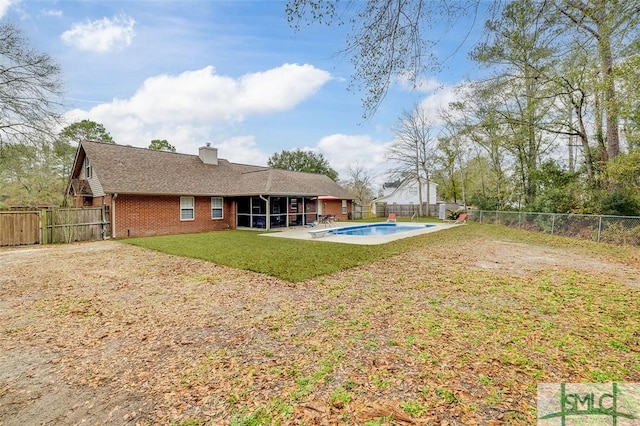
29	104
389	38
29	89
413	151
452	154
482	126
360	184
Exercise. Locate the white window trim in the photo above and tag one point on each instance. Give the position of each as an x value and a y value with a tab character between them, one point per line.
344	206
193	208
88	171
221	208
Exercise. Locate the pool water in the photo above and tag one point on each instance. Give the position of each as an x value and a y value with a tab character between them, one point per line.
376	229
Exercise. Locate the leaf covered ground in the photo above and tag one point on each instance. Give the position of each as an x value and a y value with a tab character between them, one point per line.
459	330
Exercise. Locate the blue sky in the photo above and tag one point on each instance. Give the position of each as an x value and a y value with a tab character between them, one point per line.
232	73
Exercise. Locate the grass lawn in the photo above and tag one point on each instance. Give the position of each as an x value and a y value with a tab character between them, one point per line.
289	259
298	260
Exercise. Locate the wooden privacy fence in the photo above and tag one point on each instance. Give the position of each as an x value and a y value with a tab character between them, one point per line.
65	225
53	225
19	228
408	210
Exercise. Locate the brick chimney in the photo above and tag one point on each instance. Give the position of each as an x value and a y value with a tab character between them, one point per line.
208	155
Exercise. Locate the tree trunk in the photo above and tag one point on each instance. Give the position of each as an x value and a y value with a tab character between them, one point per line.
588	158
428	197
610	101
420	212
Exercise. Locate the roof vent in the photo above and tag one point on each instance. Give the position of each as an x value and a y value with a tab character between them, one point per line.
208	155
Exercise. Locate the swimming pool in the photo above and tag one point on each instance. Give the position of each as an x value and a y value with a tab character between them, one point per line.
348	233
377	229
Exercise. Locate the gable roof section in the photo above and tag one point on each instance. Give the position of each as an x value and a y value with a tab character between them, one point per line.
131	170
399	187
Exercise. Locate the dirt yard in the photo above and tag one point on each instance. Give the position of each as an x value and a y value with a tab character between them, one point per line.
106	333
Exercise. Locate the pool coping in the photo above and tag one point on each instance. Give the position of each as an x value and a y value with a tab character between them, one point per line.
303	234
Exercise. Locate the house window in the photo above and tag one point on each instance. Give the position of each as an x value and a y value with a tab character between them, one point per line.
344	206
87	168
413	190
187	208
216	208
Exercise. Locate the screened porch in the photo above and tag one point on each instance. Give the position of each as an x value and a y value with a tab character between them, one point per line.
275	211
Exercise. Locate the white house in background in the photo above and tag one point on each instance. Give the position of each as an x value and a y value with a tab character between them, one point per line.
406	192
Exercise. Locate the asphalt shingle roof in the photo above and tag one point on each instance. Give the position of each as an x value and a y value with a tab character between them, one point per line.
131	170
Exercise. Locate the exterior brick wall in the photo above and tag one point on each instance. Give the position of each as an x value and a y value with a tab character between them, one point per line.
80	201
99	201
334	207
139	215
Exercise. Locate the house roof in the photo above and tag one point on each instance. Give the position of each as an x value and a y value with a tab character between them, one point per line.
131	170
80	187
397	187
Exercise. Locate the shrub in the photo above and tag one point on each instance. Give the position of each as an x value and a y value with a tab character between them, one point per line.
619	203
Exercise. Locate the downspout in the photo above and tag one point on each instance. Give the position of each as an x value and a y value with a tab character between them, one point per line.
267	220
113	215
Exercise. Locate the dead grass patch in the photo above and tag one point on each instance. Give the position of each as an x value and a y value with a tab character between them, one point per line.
458	332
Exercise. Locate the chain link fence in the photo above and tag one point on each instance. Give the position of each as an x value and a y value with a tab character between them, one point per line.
606	229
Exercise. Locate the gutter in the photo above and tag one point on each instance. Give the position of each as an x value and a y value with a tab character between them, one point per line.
267	219
113	215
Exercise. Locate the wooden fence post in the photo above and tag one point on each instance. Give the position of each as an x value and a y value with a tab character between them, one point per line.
44	230
103	219
52	224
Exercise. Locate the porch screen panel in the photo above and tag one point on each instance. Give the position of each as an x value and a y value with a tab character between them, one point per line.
278	216
258	213
295	211
310	210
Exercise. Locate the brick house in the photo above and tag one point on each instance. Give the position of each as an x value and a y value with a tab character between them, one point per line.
150	192
334	206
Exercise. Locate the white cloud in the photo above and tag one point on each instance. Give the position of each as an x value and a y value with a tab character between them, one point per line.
438	95
52	12
202	96
242	149
440	100
424	85
279	88
342	151
103	35
5	5
199	106
74	115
